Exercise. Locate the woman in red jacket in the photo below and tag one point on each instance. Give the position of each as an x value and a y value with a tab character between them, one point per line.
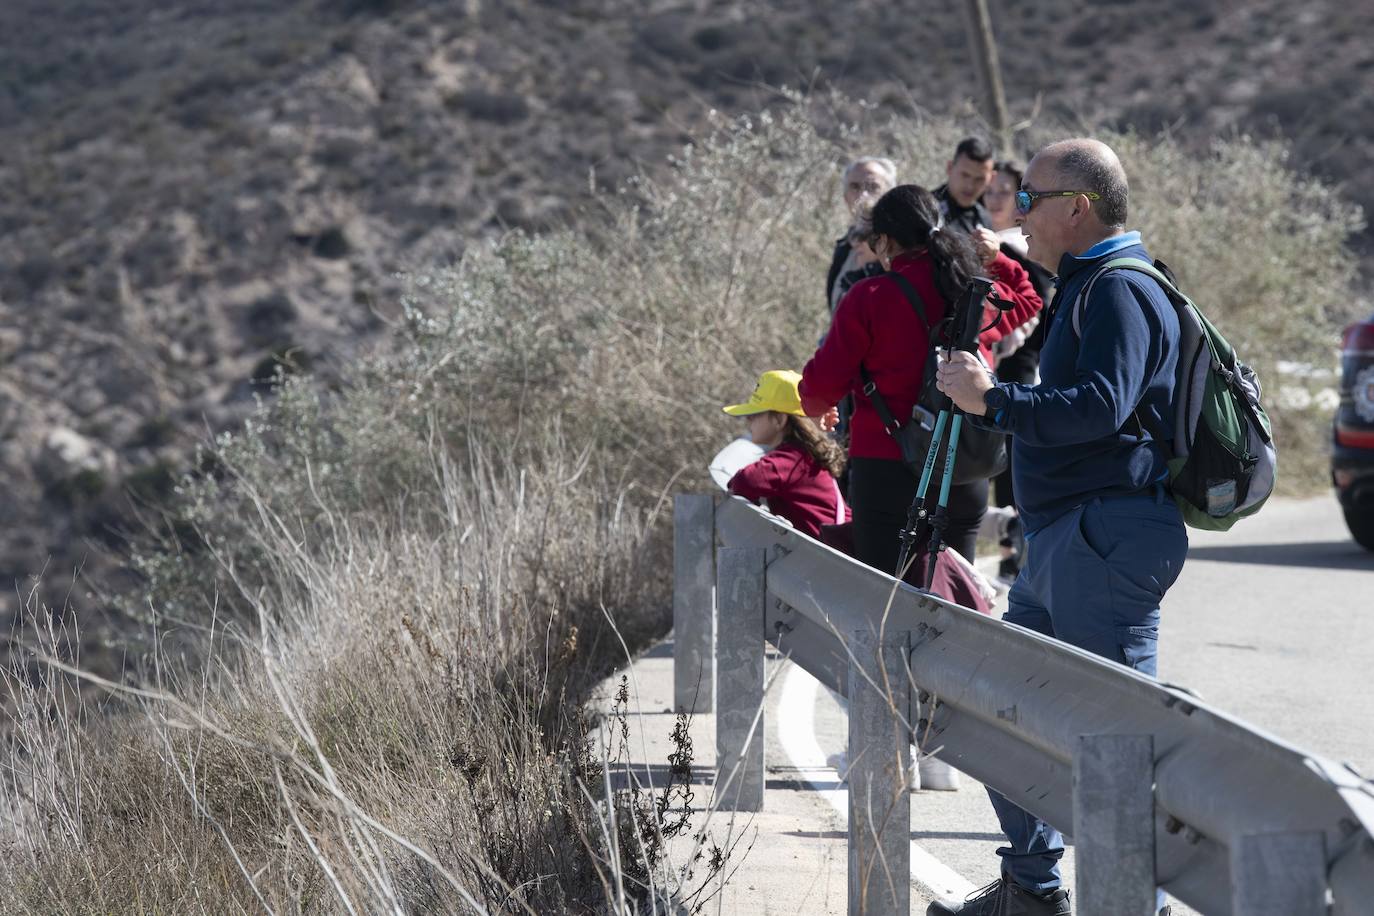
877	327
797	476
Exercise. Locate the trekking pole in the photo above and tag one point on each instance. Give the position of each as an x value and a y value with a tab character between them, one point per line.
967	316
940	520
917	517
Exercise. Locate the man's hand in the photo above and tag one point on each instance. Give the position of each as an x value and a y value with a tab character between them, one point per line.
964	379
987	244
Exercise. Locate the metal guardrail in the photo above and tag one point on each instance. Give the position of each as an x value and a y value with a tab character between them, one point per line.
1154	785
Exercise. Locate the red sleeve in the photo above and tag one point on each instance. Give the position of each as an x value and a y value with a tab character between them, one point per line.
1012	283
831	373
761	479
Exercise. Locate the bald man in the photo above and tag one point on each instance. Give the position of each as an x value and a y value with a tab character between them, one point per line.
1105	541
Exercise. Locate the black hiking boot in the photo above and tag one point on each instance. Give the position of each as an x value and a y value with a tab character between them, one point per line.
1005	898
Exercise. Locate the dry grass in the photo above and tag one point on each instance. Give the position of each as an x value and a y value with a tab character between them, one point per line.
416	684
371	623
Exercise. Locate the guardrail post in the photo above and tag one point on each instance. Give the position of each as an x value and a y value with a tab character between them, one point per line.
879	775
694	618
1279	874
1114	824
739	678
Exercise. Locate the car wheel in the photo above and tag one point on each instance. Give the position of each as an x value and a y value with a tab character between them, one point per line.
1361	525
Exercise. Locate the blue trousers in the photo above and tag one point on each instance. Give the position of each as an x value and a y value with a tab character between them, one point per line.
1093	578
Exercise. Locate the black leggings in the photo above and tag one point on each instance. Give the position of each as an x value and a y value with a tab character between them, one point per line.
880	492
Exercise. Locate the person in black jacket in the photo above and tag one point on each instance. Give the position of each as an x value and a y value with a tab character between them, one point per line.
865	180
968	175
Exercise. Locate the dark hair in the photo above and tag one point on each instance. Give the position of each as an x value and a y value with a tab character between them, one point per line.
1007	167
909	215
975	148
806	433
1086	171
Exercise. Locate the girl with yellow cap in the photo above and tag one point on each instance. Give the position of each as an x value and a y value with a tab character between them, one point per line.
797	475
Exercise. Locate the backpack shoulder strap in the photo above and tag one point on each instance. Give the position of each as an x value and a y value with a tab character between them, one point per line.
913	296
875	396
918	305
1176	298
1145	267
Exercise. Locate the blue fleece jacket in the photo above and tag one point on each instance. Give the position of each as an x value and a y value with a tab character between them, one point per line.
1073	437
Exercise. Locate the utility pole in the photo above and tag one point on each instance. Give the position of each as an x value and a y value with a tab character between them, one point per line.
983	48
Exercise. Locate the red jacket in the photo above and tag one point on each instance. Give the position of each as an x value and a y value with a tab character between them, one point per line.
876	326
796	486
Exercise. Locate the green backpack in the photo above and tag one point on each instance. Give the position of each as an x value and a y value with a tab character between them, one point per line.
1223	460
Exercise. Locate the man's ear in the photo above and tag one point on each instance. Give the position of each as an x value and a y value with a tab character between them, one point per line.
1082	206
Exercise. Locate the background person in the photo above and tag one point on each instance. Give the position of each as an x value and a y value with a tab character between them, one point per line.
865	180
999	200
971	175
797	475
1105	539
1017	354
967	175
1000	204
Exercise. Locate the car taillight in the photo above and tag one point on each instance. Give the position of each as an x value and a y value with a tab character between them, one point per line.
1354	438
1358	338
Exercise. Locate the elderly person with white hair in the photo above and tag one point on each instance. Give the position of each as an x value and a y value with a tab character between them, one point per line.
865	180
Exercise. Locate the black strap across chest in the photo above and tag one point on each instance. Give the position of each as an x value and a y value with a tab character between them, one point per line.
870	389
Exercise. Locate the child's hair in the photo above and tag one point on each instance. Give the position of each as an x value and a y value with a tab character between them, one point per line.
806	433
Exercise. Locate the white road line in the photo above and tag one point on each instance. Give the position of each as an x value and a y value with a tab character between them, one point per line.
796	729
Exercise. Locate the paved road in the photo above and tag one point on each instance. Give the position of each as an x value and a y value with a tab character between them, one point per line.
1274	622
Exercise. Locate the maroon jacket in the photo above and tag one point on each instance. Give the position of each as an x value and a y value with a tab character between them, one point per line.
876	326
796	486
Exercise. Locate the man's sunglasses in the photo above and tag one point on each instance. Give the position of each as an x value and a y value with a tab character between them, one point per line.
1026	199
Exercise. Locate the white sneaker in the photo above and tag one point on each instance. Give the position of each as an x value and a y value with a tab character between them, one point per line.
937	775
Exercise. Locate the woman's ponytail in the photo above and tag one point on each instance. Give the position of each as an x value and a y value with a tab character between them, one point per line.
910	216
956	263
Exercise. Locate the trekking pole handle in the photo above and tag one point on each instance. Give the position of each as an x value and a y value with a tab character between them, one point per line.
969	314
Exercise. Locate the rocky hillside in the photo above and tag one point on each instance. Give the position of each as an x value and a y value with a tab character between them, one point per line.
195	195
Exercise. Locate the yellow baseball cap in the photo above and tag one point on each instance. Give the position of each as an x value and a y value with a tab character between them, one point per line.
776	390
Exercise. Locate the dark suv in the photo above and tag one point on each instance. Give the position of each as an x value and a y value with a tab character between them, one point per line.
1352	451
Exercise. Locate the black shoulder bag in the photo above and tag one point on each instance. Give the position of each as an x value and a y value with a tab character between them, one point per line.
982	453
